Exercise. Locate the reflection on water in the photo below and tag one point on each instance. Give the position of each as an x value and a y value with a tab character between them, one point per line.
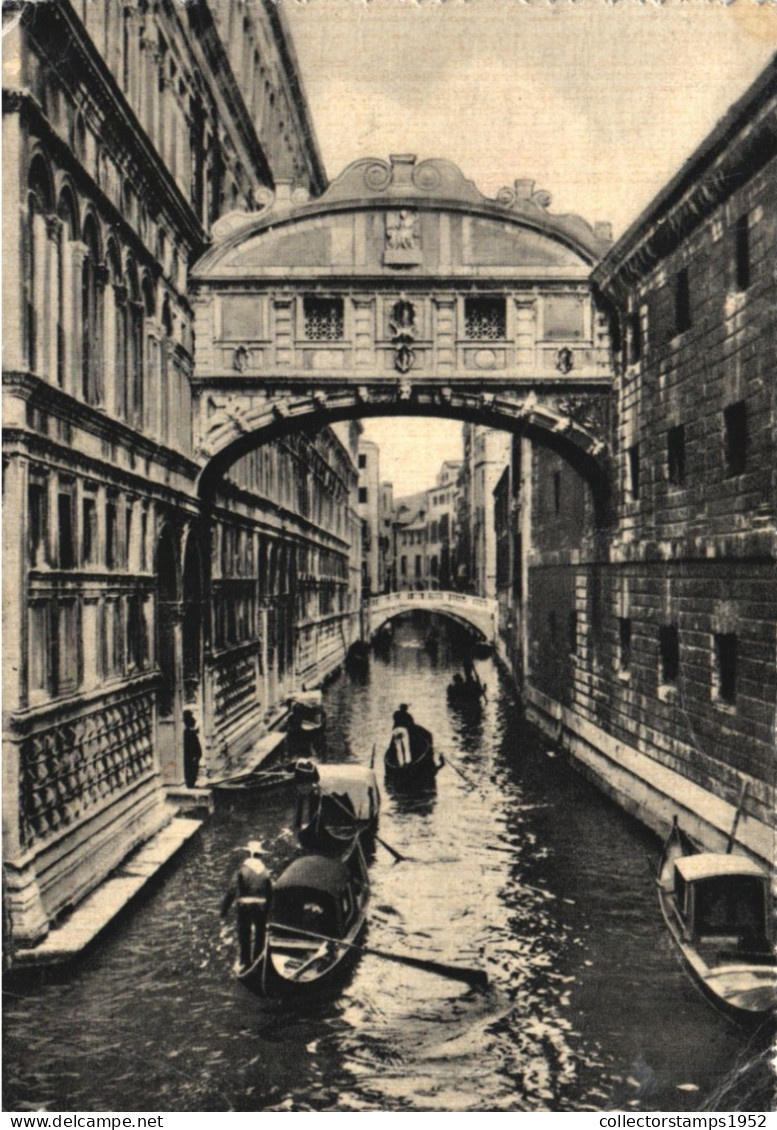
513	864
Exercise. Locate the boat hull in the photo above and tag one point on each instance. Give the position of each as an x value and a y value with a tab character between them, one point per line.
744	989
418	773
306	956
272	976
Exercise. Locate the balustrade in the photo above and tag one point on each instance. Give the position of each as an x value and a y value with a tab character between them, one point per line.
73	767
234	677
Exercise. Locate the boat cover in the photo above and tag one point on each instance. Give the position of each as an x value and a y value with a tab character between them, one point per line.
707	865
354	786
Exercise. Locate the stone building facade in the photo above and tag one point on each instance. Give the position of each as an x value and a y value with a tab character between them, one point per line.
129	131
370	502
649	644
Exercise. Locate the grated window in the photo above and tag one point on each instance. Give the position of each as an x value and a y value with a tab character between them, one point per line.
485	319
324	319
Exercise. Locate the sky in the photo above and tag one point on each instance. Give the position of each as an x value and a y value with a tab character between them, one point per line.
598	101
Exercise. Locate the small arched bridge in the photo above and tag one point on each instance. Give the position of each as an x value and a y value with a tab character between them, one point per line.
474	612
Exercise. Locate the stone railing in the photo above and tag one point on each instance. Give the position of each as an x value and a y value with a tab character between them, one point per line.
73	766
480	611
234	681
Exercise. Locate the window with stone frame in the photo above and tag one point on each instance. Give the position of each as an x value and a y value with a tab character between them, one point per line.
726	667
66	558
735	424
89	547
37	521
742	252
67	646
485	317
634	470
572	631
39	649
324	318
669	654
624	645
634	337
682	301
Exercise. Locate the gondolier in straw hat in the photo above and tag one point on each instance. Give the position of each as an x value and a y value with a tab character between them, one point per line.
252	888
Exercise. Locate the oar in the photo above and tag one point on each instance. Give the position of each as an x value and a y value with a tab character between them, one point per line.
732	834
399	858
478	978
456	769
372	759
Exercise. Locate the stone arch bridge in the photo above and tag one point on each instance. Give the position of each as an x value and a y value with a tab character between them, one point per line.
477	613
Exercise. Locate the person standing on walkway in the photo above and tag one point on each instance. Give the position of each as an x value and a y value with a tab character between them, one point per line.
252	889
192	750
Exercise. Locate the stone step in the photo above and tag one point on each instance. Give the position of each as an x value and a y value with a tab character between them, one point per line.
71	937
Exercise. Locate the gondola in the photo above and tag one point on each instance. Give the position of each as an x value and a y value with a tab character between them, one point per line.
257	780
422	768
343	802
306	722
315	895
466	692
716	907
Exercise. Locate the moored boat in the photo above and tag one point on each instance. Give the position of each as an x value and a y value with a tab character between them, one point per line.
336	803
466	692
717	909
420	769
257	780
306	722
317	902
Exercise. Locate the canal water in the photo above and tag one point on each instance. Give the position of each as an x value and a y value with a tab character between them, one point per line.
514	864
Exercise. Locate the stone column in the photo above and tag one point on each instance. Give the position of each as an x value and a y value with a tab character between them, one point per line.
14	219
444	332
283	306
73	257
363	333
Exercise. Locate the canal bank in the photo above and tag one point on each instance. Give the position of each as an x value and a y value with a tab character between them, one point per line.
647	788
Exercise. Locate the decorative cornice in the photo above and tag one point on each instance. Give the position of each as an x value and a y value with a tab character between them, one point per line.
83	68
402	183
201	24
36	391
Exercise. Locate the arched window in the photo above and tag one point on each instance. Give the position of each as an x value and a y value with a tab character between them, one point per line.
117	360
67	233
39	204
164	376
91	318
134	340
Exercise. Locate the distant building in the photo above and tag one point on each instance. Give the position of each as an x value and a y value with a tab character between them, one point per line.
425	533
486	453
386	537
370	498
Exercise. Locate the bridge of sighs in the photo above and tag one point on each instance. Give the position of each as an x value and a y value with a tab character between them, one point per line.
402	290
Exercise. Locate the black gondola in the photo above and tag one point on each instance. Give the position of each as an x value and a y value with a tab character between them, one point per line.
422	767
336	803
466	692
306	722
317	901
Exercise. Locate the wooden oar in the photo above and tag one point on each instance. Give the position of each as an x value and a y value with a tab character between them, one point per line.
456	769
732	834
399	858
478	978
372	759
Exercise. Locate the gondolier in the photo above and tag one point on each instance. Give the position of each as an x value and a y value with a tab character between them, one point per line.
403	724
252	889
